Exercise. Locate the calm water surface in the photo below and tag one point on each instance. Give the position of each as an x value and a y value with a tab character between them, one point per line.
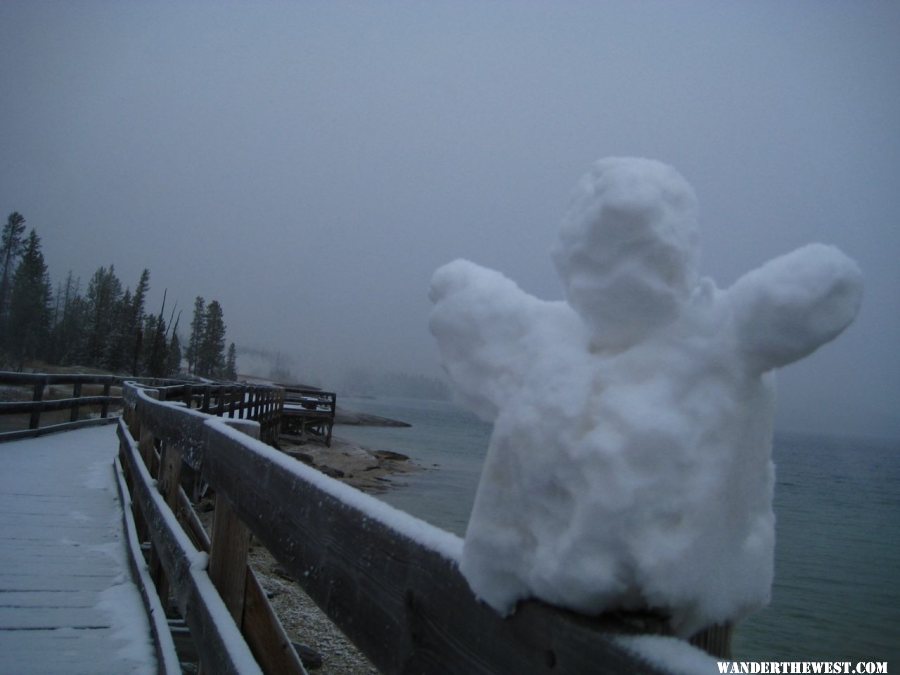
837	562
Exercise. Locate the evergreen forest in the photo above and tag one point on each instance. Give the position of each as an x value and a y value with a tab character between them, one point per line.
106	326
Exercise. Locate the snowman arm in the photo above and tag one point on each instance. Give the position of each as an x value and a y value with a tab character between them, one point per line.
481	321
787	308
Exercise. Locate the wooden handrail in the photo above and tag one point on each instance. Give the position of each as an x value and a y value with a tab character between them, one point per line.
45	405
390	581
10	377
222	648
180	434
39	405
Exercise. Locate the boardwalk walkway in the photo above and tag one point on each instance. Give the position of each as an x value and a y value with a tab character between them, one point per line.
67	600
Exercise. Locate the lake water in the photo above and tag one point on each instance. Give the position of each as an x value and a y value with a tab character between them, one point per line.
836	595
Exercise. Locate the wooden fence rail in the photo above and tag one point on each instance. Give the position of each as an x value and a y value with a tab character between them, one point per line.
38	405
240	401
223	603
390	581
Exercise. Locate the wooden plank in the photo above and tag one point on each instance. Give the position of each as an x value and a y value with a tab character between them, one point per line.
221	647
54	428
28	582
168	485
191	523
266	636
174	425
170	474
53	651
10	377
76	585
405	605
261	627
38	598
42	405
229	547
31	618
186	430
228	557
164	646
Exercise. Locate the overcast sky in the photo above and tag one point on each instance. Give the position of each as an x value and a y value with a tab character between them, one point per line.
309	164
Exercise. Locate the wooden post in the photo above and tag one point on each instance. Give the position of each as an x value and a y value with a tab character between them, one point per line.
133	420
139	522
146	441
228	554
76	393
228	557
104	408
147	448
170	475
241	591
169	487
38	396
264	633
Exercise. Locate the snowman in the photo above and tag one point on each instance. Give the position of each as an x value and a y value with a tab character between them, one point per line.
630	461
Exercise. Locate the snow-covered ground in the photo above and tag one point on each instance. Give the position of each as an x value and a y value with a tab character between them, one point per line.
67	601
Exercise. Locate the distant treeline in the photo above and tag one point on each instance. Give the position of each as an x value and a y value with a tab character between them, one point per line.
105	327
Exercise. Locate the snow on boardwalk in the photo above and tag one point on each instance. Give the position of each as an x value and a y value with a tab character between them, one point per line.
67	601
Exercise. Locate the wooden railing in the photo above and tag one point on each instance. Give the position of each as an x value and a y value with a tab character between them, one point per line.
389	581
308	411
91	394
99	395
157	440
260	403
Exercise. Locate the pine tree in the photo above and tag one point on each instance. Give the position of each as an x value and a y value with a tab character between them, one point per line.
116	352
103	297
231	363
156	349
173	363
197	327
29	305
68	327
135	322
211	354
11	244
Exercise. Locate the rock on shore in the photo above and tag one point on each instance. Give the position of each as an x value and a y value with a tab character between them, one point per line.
353	418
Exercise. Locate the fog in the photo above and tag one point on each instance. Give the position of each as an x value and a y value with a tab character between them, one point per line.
309	165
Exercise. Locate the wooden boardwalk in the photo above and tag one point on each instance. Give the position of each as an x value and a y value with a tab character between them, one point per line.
67	599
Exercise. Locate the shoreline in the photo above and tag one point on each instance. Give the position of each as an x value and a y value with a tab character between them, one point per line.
365	468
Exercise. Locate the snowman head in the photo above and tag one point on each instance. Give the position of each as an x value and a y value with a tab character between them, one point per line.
628	248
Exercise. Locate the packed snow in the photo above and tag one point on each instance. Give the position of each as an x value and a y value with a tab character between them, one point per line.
70	602
630	462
